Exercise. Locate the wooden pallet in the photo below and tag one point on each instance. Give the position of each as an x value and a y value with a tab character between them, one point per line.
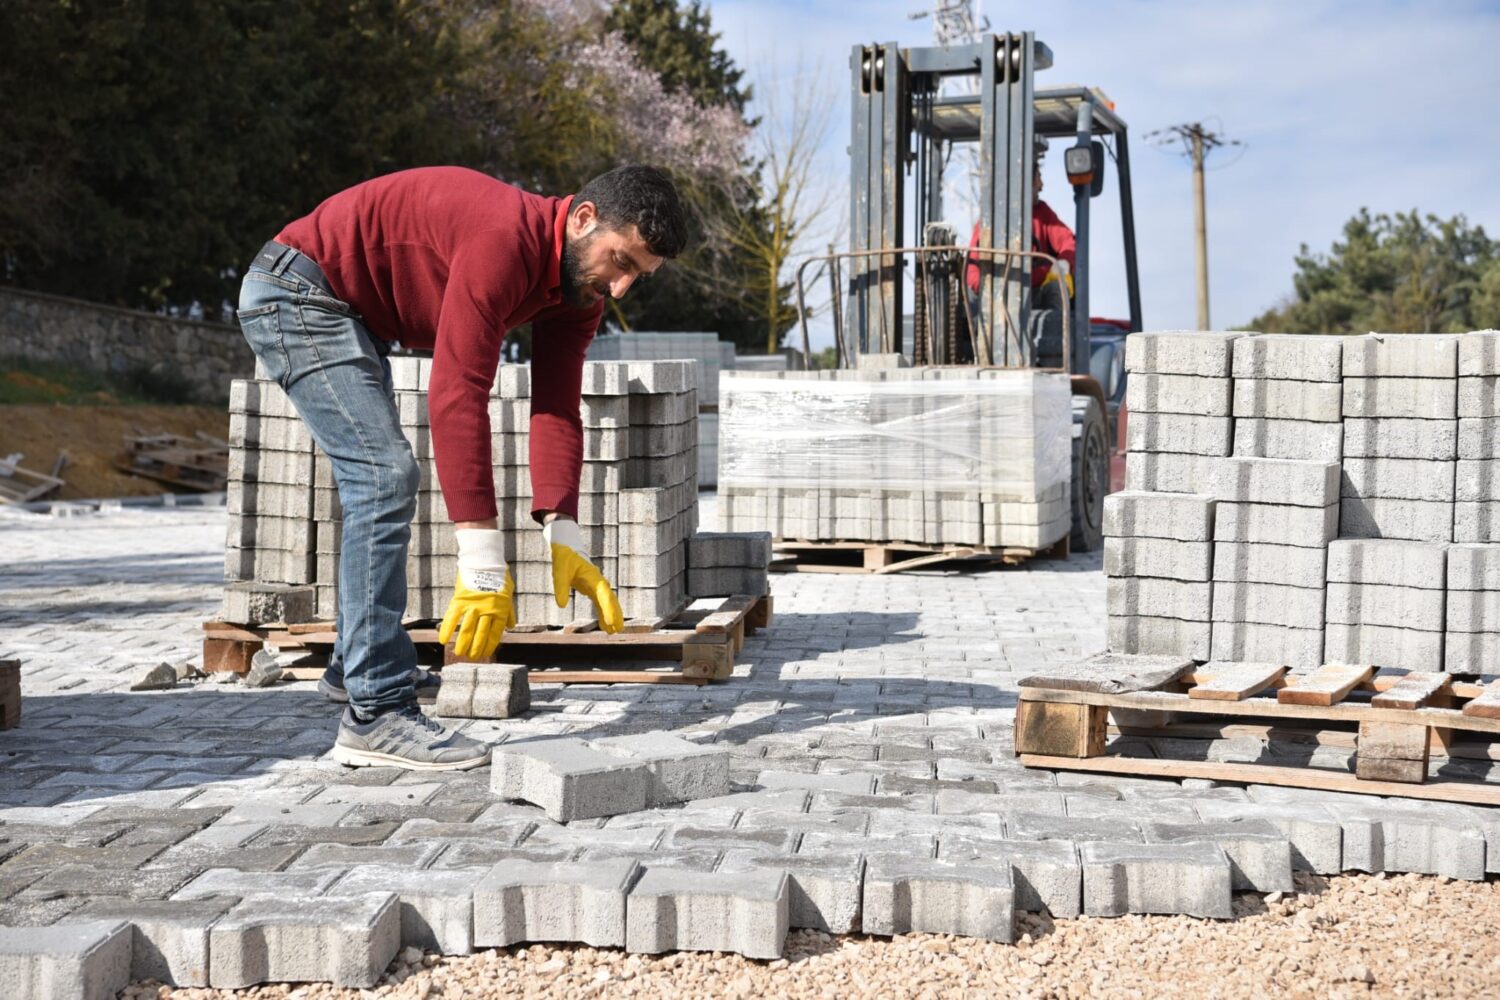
23	485
196	463
703	642
1396	720
798	556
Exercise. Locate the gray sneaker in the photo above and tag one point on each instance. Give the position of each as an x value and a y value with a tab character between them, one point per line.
405	738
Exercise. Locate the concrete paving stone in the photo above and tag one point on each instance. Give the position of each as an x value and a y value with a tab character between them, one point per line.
1470	611
1303	440
906	895
1479	353
746	912
855	821
1188	878
1470	653
1399	479
1383	517
953	802
1158	636
1257	562
1476	522
1268	604
170	938
1182	353
1046	874
1158	557
88	960
1277	481
1478	438
1158	598
1276	524
828	801
1405	355
1479	397
680	770
1260	855
250	884
1288	399
1392	836
1315	836
1261	643
823	893
857	783
1398	437
788	798
568	779
1037	826
1477	481
483	691
1136	810
1288	356
1183	517
894	823
1388	561
437	905
1410	398
1165	472
780	841
1180	433
253	603
1473	566
1379	604
637	839
1383	646
287	813
347	941
343	856
535	901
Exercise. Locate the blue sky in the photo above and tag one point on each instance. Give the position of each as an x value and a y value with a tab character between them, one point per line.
1340	105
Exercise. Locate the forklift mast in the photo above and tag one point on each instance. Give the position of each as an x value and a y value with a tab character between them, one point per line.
903	126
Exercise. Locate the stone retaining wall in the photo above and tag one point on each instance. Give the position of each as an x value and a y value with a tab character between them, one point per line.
205	357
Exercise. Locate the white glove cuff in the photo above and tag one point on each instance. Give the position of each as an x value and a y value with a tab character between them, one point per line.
481	558
565	531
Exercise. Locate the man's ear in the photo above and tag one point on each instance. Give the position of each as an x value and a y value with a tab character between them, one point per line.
582	219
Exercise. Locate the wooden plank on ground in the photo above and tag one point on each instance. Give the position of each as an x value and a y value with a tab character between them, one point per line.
1325	685
1413	691
1486	705
1234	681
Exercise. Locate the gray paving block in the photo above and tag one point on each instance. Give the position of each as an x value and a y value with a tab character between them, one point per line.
1412	398
1180	516
1289	356
1477	480
1383	646
1137	596
1178	432
1316	838
1471	611
1038	826
1268	604
851	784
1397	437
1181	352
1398	479
907	895
483	691
568	779
437	906
709	549
1383	604
1158	636
1287	399
1276	524
347	941
1473	566
170	940
1476	522
1046	873
1260	855
823	891
1161	472
1479	397
745	912
1148	392
1389	561
680	770
1278	481
1254	562
538	901
1401	355
1479	353
1387	835
86	960
1478	438
1471	653
1261	643
1189	878
1158	557
1302	440
1385	517
246	884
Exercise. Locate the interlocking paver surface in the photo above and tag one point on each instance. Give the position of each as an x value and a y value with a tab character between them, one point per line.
874	716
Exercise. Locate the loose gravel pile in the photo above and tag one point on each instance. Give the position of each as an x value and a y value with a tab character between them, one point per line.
1351	936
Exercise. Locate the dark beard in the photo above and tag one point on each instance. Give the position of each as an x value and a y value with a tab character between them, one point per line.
574	292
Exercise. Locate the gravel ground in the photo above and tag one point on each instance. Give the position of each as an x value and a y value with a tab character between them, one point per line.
1350	936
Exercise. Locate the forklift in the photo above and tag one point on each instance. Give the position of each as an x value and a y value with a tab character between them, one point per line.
905	129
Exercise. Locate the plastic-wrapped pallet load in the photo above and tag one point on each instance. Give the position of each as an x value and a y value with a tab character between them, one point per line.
919	455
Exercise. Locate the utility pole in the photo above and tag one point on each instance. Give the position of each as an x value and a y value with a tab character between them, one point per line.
1197	142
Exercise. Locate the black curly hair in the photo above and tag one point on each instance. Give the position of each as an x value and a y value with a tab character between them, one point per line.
640	196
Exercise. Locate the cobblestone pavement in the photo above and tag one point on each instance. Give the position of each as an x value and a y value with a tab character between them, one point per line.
873	718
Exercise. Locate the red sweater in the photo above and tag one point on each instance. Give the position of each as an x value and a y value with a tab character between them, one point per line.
1049	235
448	260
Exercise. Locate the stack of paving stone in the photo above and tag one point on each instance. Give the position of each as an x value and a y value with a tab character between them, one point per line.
932	456
637	508
713	356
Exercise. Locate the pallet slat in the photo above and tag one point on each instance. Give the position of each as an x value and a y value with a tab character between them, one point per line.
1486	705
1413	691
1328	684
1234	681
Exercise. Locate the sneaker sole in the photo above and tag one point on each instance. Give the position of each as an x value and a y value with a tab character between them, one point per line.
350	757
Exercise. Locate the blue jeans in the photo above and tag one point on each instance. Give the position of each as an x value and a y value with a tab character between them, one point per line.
338	379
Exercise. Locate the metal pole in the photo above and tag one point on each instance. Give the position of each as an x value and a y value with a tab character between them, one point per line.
1078	361
1200	224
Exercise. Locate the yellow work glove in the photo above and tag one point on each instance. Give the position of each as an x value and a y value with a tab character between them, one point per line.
1065	278
484	596
571	570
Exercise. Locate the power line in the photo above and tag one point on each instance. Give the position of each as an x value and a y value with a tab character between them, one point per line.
1197	142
